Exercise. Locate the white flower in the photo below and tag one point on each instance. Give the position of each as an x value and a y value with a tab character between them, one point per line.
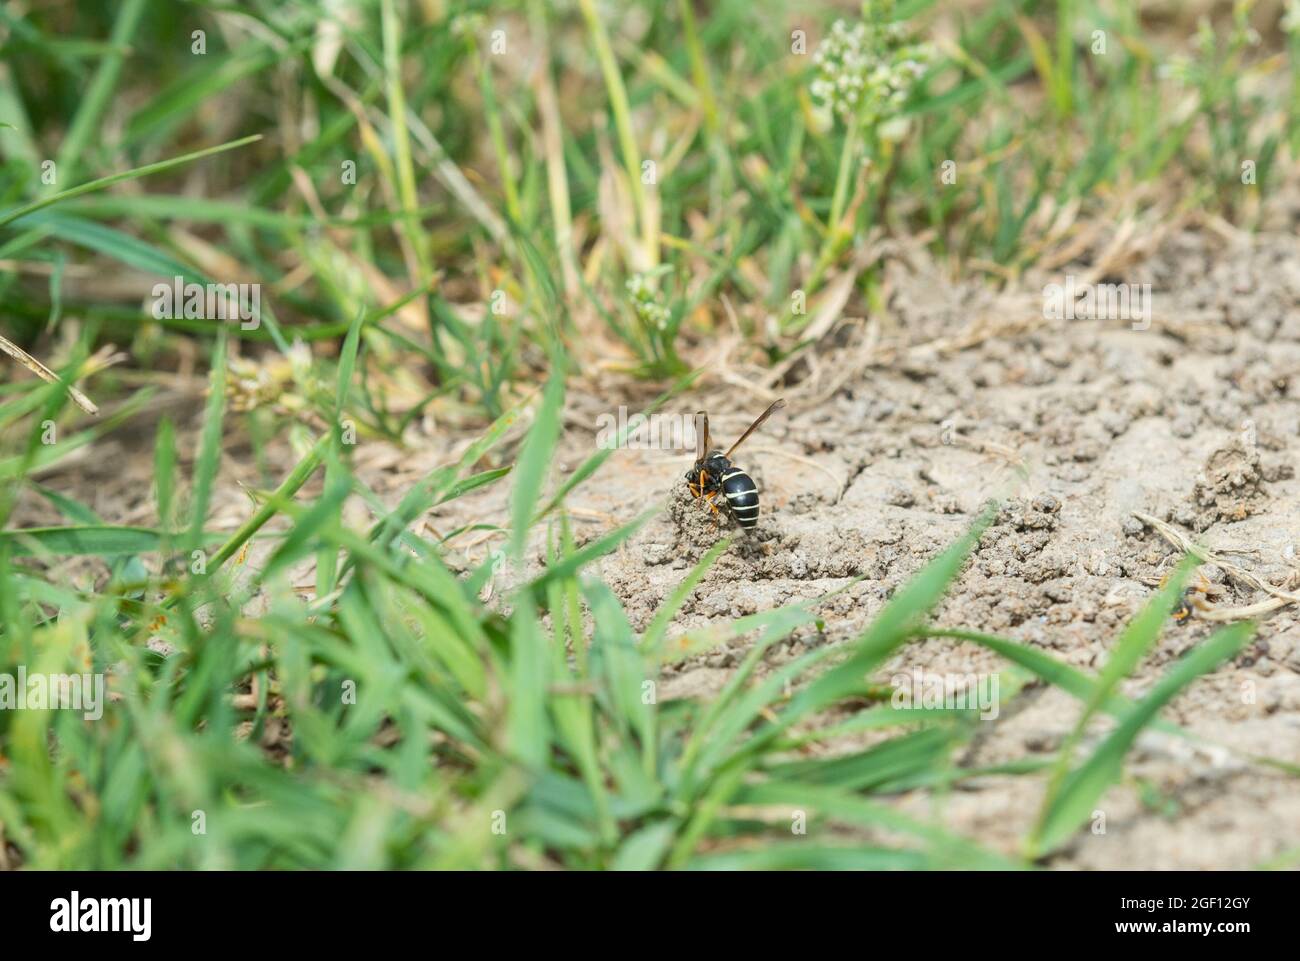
1177	68
865	73
1291	19
647	303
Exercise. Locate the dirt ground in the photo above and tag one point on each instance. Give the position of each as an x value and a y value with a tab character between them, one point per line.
1079	424
897	431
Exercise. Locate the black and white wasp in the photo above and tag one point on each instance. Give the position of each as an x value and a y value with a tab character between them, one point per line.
714	474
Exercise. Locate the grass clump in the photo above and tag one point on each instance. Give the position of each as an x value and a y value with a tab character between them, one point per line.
457	213
399	721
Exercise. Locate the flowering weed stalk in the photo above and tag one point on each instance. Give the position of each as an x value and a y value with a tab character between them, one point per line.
654	334
865	73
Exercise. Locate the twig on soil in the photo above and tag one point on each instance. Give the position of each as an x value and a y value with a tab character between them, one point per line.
1279	597
840	484
828	310
728	376
1008	454
40	370
855	365
584	514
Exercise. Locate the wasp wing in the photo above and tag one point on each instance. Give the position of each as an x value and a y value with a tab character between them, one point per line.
701	435
776	405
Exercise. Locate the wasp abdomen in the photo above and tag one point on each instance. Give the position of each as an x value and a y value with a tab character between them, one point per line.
742	497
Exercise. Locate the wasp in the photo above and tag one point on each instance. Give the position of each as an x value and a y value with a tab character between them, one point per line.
714	474
1197	596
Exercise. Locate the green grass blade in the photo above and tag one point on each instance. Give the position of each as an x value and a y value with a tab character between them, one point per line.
653	638
103	540
90	112
890	629
534	460
594	461
571	564
208	461
114	243
16	213
1083	788
528	724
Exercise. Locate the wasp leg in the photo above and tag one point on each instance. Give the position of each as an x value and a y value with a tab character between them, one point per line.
708	495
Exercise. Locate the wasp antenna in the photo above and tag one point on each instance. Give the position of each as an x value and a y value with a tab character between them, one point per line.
775	406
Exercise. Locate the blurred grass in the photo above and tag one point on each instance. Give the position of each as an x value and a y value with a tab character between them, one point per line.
498	155
450	204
